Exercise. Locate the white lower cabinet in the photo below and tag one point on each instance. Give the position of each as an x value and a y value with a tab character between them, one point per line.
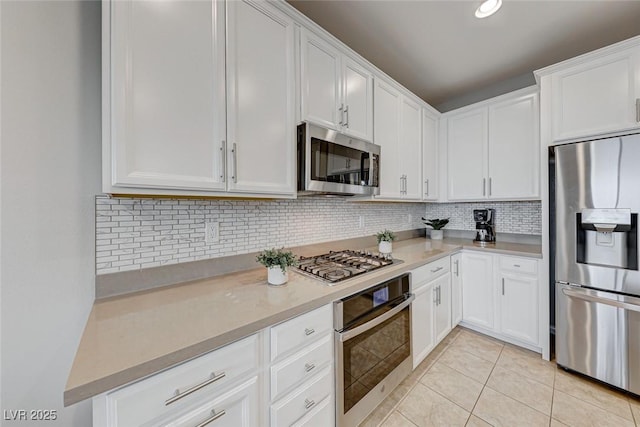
478	289
280	376
431	308
302	374
456	289
236	408
500	297
227	379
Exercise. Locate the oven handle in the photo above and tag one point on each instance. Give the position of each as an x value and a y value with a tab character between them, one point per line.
593	296
346	335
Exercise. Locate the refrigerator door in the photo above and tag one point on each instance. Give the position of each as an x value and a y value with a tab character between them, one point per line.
596	213
597	334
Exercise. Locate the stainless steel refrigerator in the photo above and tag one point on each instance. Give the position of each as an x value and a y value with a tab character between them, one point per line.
597	282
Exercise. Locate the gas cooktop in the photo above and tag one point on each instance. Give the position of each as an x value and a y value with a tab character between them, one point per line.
341	265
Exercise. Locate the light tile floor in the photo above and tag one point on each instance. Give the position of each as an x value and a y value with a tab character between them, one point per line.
474	380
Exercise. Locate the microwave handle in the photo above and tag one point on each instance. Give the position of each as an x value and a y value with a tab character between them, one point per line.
363	157
372	168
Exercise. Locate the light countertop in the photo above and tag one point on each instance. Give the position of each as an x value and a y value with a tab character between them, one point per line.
129	337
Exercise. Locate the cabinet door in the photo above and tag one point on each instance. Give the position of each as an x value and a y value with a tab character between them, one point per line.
409	149
514	149
320	82
422	331
358	100
477	289
260	78
387	132
519	307
164	93
467	150
596	97
456	289
442	318
429	156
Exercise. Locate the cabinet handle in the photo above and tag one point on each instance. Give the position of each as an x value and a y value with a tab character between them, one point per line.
234	151
439	295
346	112
456	263
195	388
516	265
308	403
436	270
405	184
502	286
308	367
223	158
638	110
484	186
426	191
341	110
489	186
309	331
214	416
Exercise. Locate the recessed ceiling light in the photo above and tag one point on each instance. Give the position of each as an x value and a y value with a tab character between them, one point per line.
488	8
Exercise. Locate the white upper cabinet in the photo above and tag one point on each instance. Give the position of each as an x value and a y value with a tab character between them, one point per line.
466	155
194	106
410	148
164	112
398	131
596	94
337	92
430	170
320	73
388	104
493	149
260	103
514	166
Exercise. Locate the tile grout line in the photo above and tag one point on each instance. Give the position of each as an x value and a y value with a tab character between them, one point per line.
395	407
485	386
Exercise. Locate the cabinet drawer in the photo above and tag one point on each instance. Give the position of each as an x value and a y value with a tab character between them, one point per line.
322	415
302	365
147	399
428	272
300	331
238	407
519	264
302	400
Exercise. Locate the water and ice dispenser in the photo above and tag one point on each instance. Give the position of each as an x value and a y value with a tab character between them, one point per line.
607	237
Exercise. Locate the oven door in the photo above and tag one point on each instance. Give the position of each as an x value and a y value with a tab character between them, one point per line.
372	359
329	162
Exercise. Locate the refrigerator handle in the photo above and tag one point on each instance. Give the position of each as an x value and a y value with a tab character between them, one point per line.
630	303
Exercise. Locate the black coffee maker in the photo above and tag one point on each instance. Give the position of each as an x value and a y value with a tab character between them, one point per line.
484	224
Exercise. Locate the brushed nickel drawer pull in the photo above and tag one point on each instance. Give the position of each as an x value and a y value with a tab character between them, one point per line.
309	331
195	388
502	286
214	416
308	404
234	151
436	270
308	367
516	265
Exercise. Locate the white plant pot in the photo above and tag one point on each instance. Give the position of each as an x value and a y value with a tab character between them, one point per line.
385	247
437	234
275	276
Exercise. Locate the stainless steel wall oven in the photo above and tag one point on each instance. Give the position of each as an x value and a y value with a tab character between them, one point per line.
373	347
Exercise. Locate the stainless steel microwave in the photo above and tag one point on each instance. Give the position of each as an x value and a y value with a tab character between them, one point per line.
332	163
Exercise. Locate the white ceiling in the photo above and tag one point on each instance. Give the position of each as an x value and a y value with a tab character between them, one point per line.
442	53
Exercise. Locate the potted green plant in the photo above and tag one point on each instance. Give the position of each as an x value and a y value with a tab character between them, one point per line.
384	241
437	225
277	261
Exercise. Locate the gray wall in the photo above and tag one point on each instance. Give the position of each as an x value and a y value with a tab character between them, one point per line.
50	173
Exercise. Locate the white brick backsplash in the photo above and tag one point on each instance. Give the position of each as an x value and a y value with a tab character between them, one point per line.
133	234
510	217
